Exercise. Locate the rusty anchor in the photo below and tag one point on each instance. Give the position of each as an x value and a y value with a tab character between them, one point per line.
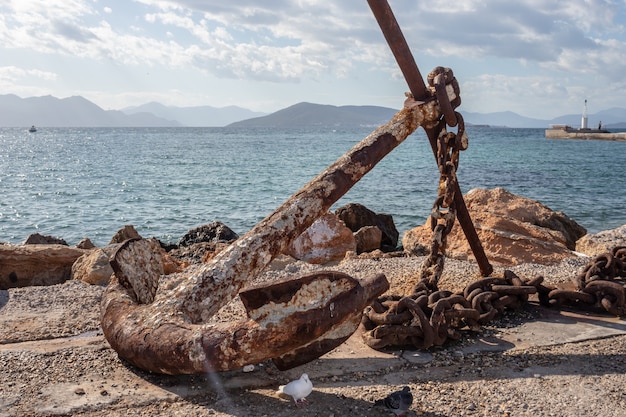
165	327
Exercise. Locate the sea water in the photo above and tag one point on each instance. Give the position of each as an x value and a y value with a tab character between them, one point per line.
73	183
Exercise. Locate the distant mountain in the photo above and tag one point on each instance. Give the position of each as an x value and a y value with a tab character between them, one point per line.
196	116
73	111
504	118
614	118
310	115
77	111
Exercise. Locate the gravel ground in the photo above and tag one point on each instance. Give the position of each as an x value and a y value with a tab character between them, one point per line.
55	361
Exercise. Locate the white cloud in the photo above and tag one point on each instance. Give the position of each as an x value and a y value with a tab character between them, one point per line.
235	36
607	60
536	43
12	73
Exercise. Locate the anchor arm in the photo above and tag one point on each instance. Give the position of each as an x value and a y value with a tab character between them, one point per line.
165	330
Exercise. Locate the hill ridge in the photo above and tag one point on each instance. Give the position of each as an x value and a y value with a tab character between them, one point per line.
77	111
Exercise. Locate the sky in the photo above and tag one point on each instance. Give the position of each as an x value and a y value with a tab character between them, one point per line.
538	58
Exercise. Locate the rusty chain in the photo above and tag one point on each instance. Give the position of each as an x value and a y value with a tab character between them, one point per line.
429	317
449	145
601	285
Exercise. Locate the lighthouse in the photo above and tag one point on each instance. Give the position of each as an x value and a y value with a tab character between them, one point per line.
583	121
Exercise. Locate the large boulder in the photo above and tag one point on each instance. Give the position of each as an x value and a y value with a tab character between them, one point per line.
38	264
512	229
326	240
502	203
355	216
599	243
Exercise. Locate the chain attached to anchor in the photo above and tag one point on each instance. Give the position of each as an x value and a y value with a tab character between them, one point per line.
429	316
449	146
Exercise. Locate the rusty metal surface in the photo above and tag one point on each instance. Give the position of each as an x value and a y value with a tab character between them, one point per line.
599	286
313	301
147	263
321	308
399	47
168	334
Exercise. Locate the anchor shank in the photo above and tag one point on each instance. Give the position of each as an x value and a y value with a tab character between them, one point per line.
400	49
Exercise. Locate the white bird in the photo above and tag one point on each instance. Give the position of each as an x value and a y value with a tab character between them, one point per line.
398	402
298	389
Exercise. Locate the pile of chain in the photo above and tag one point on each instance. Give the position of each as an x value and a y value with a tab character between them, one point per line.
599	286
429	316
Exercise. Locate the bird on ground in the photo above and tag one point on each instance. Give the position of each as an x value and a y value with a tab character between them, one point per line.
298	389
398	402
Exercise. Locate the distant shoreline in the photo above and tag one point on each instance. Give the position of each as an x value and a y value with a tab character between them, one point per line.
558	133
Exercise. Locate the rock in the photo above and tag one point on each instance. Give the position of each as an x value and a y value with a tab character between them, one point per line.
202	243
356	216
195	253
598	243
502	203
368	238
37	239
39	264
125	233
413	244
327	239
212	232
85	244
93	267
512	229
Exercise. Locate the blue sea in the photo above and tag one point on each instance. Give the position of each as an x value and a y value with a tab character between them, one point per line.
73	183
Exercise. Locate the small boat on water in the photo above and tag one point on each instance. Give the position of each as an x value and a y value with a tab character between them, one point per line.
32	129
